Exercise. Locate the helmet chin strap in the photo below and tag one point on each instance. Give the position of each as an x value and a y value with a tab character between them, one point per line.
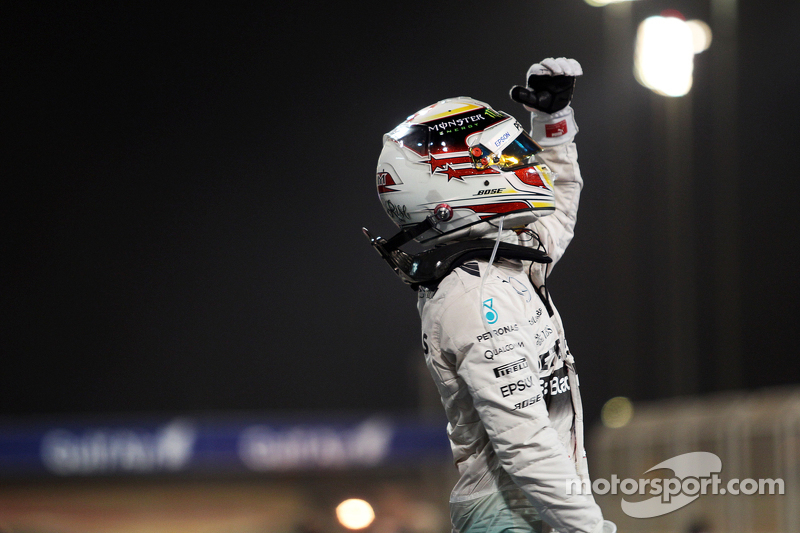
428	268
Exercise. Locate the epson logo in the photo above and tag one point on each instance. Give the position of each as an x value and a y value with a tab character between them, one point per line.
499	141
519	386
510	368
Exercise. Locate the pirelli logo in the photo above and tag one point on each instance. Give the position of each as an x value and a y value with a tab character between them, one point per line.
511	367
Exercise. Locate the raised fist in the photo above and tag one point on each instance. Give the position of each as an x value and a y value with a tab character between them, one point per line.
550	85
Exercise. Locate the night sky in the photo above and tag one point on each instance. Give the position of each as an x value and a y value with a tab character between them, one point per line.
185	188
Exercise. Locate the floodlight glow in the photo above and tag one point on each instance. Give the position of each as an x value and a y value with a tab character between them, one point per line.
601	3
701	35
617	412
355	514
664	57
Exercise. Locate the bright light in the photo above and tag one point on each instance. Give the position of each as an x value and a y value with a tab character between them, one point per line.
601	3
617	412
664	57
355	514
701	35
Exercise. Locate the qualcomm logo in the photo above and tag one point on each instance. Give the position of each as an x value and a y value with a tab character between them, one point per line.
105	450
264	448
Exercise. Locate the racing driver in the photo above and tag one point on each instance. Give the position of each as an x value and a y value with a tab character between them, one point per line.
497	206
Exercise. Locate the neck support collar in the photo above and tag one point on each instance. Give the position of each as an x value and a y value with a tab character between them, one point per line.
428	268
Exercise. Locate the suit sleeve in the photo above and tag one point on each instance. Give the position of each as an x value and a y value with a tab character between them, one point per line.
556	230
506	393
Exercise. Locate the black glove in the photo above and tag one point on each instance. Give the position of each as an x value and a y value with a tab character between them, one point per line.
550	85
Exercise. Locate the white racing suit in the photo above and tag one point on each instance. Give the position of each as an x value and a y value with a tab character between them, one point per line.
508	384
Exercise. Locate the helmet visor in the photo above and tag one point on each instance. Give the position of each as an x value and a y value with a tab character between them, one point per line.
517	153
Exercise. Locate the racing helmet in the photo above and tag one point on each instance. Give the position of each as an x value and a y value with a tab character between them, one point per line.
451	168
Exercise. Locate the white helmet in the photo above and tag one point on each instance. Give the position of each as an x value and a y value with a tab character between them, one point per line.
457	164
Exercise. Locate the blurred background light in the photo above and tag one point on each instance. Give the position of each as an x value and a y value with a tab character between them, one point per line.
701	35
601	3
664	56
355	514
617	412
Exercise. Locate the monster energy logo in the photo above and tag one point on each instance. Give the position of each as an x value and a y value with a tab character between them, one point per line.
463	123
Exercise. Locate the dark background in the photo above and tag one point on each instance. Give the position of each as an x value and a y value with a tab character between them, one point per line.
185	189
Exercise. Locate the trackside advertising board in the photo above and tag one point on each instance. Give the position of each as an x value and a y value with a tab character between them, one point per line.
220	445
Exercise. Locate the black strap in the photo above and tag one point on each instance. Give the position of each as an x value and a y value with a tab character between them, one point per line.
430	267
407	235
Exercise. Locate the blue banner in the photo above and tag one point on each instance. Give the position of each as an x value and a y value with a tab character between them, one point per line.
216	445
